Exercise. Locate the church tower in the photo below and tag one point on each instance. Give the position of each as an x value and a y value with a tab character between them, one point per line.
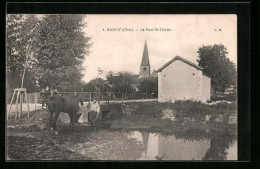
145	64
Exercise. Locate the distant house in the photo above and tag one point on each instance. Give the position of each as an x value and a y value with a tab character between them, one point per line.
180	79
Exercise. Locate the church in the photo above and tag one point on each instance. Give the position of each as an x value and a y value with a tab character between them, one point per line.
145	68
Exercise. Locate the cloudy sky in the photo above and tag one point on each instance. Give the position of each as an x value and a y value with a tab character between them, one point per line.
122	50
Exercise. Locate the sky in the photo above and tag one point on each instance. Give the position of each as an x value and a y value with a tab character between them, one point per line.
167	36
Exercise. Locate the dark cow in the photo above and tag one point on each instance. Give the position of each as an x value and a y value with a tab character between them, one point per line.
57	104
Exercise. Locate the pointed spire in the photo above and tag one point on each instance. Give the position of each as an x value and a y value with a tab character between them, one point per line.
145	59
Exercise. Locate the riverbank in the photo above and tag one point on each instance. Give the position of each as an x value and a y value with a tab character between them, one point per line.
154	116
30	138
178	116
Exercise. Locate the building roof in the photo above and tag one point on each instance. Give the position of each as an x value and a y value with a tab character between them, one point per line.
145	59
135	79
181	59
154	74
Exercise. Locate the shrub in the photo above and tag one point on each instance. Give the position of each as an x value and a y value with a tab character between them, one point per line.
191	109
226	97
184	109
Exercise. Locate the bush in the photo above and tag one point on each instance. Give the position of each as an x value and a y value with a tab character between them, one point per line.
224	106
232	97
191	109
187	110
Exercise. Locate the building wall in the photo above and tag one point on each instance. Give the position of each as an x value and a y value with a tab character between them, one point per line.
180	81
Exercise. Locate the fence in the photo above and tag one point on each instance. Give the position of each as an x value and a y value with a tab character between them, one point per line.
89	96
103	96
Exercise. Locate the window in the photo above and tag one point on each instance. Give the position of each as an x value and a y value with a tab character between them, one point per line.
145	68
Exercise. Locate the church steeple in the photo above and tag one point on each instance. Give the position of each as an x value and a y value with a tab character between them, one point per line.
145	64
145	59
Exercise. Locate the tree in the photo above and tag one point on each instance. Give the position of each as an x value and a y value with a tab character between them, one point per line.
215	63
20	30
95	85
121	82
149	86
62	48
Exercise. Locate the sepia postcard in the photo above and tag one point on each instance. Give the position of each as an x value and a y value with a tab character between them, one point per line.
139	87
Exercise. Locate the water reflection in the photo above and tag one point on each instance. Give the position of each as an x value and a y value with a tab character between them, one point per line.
150	140
178	147
221	148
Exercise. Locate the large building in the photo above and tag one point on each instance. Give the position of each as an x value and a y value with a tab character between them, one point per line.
180	79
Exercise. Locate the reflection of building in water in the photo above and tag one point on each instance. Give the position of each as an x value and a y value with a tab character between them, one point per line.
170	148
150	140
180	149
145	136
151	146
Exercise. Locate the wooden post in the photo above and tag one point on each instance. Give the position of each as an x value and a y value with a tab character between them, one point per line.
89	97
21	105
26	99
35	100
108	97
102	97
17	98
11	104
21	97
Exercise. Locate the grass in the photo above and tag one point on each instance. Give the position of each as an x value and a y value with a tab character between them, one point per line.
189	114
182	109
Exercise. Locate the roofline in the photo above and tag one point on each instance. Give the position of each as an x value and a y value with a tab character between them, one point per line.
178	58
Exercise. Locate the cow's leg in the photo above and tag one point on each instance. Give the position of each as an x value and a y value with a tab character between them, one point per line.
56	116
74	116
72	120
51	119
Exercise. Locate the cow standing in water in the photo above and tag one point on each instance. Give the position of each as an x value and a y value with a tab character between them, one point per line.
57	104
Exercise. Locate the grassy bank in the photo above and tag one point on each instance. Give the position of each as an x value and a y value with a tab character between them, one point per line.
148	115
187	115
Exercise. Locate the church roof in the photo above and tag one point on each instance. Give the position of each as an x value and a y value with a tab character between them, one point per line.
135	79
154	74
145	59
181	59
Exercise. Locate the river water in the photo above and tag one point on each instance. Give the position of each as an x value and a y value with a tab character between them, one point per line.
186	146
